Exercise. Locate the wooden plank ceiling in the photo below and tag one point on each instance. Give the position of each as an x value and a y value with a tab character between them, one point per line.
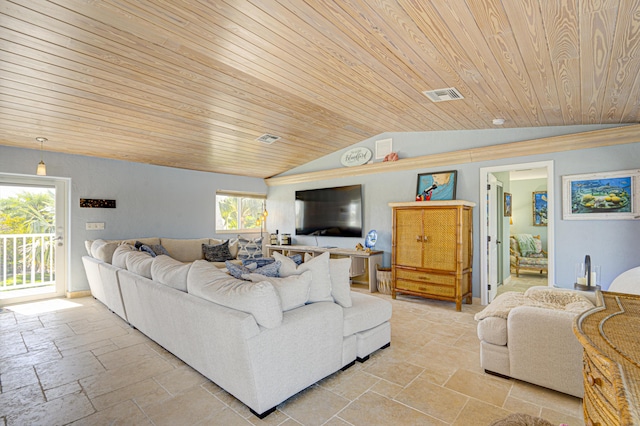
192	84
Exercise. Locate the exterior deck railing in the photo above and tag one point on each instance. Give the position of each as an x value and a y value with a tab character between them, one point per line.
26	261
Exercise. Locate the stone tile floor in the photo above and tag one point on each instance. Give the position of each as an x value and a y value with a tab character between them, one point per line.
74	362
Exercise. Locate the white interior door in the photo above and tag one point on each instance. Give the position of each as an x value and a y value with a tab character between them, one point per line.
33	235
492	237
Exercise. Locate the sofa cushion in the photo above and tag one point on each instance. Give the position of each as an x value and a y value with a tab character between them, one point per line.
366	312
249	249
493	330
184	250
340	281
87	246
237	271
292	290
120	255
321	278
103	250
139	263
148	241
261	300
170	272
217	252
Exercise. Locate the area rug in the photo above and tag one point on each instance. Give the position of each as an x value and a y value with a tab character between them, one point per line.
519	419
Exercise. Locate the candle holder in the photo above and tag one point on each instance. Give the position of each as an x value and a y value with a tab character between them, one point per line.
587	276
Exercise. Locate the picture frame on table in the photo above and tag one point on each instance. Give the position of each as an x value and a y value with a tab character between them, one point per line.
601	196
437	186
539	208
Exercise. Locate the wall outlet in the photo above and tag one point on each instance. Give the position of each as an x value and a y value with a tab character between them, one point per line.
94	226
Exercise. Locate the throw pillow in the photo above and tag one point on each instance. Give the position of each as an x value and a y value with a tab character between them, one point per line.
158	249
261	261
261	300
340	281
217	252
237	271
170	272
321	279
293	290
145	248
249	249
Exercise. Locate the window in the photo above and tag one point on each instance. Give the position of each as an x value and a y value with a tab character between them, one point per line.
239	211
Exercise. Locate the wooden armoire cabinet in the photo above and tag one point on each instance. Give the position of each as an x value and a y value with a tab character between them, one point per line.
432	249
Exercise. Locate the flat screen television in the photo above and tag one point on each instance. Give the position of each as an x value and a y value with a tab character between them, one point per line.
330	212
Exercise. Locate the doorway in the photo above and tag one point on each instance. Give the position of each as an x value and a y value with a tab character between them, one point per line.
33	235
488	216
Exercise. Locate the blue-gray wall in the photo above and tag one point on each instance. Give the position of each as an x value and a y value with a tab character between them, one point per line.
613	244
151	201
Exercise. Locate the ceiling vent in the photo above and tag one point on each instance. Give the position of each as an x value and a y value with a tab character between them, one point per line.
268	139
441	95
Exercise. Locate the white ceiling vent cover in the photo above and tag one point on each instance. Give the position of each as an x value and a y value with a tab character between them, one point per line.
441	95
268	139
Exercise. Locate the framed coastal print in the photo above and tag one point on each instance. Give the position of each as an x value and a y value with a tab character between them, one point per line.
507	204
437	186
539	207
596	196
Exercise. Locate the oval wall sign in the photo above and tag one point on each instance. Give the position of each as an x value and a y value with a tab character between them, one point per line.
356	157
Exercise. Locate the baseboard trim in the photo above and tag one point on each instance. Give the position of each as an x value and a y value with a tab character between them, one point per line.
77	294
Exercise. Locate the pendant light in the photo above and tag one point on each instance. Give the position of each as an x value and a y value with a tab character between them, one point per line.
42	168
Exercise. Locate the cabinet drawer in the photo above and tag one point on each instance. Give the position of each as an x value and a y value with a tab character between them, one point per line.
425	277
598	380
426	288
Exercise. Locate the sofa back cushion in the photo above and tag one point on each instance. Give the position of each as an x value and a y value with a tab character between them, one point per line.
170	272
206	281
103	250
184	250
340	281
139	263
120	255
148	241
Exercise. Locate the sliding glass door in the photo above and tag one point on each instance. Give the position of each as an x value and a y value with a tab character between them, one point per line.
32	238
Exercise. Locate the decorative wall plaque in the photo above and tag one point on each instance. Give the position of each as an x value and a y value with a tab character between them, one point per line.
356	157
97	204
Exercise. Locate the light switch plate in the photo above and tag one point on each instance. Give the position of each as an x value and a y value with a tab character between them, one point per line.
94	226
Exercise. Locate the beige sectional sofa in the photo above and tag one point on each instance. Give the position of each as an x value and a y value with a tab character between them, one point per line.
235	332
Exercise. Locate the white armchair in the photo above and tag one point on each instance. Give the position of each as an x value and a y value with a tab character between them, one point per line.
534	344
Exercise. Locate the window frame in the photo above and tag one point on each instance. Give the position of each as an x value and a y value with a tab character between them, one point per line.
240	195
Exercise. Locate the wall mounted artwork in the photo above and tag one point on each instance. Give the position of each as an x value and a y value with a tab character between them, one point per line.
437	186
97	204
596	196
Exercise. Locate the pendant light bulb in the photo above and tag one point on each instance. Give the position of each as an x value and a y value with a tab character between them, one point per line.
42	168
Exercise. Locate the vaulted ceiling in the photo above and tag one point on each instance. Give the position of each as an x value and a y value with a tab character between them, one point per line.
192	84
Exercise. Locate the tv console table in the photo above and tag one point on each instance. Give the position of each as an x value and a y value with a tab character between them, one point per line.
363	264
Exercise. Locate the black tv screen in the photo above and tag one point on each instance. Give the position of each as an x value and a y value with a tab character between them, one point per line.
331	212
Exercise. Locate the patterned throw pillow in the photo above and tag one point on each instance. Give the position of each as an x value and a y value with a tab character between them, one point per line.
249	249
152	249
237	271
146	249
262	261
217	252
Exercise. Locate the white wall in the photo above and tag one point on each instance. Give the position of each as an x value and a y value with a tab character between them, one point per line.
150	200
612	244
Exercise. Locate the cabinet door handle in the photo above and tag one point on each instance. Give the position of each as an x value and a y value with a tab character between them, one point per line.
425	239
418	238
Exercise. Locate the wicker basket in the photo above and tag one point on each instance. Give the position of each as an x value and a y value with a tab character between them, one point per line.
383	275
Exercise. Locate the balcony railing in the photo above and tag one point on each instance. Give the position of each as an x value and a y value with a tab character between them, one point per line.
26	261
